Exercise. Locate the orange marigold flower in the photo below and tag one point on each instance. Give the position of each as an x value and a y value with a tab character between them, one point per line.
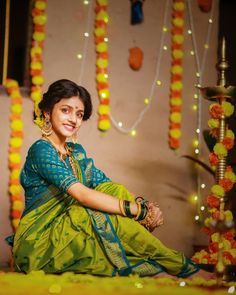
213	202
207	230
213	159
229	235
228	143
226	183
216	215
214	247
216	111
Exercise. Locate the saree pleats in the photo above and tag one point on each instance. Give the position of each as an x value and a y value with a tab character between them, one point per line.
60	235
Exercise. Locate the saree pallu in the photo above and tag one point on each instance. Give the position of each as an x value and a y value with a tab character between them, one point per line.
60	235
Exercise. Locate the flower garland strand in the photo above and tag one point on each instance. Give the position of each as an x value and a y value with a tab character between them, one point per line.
36	53
215	200
100	33
14	158
176	73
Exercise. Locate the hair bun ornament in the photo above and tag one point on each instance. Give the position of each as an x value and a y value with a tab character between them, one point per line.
135	58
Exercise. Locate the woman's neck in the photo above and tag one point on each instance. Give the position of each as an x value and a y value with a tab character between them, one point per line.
59	144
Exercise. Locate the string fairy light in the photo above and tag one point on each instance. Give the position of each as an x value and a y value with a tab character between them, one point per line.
200	68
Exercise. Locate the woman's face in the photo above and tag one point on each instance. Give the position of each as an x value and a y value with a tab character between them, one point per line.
67	116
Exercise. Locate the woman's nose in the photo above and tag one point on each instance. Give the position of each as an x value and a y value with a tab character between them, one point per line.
73	117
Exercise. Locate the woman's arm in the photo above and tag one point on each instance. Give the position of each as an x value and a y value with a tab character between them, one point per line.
98	200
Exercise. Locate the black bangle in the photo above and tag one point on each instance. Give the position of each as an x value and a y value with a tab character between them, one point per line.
143	212
127	209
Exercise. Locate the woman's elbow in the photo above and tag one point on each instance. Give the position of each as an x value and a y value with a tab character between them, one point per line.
79	192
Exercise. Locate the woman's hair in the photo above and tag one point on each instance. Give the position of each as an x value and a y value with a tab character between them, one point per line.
65	89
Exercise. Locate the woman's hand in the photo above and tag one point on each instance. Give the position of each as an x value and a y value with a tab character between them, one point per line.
154	217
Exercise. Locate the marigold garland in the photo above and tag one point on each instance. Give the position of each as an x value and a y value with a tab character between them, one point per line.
14	158
100	33
176	86
218	191
36	53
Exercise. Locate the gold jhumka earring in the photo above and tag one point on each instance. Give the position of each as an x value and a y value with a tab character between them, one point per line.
74	138
47	127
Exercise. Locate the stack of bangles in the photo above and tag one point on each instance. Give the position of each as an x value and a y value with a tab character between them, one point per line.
142	208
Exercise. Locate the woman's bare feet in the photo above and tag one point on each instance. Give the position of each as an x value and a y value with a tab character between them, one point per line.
165	275
203	274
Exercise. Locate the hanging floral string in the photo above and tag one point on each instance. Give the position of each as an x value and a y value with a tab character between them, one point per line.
100	32
218	191
176	73
14	158
36	53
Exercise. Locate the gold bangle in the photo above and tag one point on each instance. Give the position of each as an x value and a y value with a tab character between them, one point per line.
121	204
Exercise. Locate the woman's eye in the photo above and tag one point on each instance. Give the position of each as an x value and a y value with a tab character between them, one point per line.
65	110
80	115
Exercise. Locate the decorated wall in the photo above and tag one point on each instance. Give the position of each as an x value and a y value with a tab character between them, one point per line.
148	113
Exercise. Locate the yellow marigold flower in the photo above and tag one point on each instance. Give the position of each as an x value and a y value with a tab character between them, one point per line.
102	15
208	221
230	175
215	237
175	133
101	47
175	117
101	78
103	110
15	174
176	69
99	32
16	142
11	83
220	150
41	5
102	2
14	158
17	125
38	36
15	94
15	189
226	244
217	190
102	63
40	19
36	95
178	6
178	22
230	134
177	53
104	125
176	86
16	108
104	93
228	215
15	222
176	101
17	205
179	39
228	108
36	50
38	80
36	65
213	123
233	252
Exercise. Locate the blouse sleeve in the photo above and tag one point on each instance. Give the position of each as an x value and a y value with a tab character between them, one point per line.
46	162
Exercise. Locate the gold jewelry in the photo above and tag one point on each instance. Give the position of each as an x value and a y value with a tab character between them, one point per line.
139	210
47	127
121	204
74	138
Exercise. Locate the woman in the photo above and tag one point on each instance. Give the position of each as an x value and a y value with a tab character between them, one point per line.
77	219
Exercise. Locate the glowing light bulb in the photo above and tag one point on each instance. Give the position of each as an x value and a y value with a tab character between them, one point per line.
146	100
196	151
105	39
197	74
202	208
197	217
198	130
195	95
164	29
182	284
189	32
203	185
206	46
210	20
106	19
86	34
195	198
106	76
86	2
158	82
79	56
103	95
194	107
165	47
192	52
195	143
120	124
133	133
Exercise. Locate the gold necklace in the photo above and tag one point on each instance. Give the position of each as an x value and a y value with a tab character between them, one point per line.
63	155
